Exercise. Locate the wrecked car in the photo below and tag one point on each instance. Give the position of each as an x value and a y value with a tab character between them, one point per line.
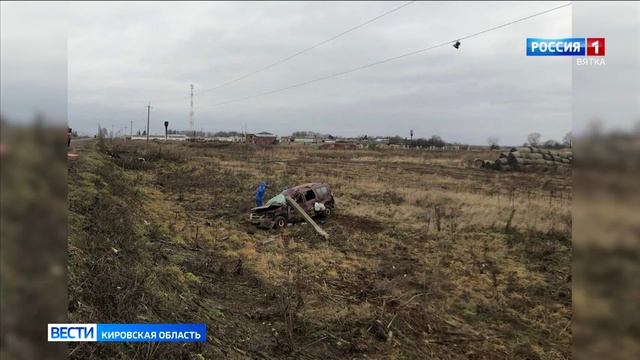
315	198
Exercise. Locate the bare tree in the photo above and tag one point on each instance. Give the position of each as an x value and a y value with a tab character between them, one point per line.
493	142
534	139
567	140
551	144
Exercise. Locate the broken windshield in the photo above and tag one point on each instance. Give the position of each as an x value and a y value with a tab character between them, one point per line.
276	200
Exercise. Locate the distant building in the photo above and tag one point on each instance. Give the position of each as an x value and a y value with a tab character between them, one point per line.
304	140
262	138
170	137
233	139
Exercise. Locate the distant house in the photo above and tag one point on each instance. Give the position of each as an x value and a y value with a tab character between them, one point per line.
228	138
262	138
304	140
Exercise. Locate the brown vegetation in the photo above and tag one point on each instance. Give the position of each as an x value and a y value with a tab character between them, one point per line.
428	258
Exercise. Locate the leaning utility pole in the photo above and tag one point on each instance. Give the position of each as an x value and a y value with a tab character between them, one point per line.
148	116
307	217
193	131
131	130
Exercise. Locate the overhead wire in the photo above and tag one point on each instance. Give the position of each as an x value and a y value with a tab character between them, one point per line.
305	50
287	58
411	53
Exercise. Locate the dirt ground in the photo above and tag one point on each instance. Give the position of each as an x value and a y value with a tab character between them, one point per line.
428	257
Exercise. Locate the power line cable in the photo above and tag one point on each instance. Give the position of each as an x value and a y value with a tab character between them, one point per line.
285	59
341	73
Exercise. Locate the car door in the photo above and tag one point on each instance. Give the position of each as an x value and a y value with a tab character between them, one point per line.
310	199
293	214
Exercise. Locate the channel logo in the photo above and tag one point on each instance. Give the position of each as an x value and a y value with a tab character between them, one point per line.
71	332
566	47
595	47
127	332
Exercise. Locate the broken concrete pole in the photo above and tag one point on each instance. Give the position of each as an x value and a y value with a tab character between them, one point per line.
308	218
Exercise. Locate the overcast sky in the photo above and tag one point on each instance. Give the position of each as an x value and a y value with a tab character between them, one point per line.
123	55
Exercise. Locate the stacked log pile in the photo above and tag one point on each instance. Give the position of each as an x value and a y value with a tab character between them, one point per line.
531	159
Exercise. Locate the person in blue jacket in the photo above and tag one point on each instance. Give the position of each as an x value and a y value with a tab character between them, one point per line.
260	193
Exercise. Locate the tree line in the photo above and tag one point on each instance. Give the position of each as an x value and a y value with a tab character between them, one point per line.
434	140
535	139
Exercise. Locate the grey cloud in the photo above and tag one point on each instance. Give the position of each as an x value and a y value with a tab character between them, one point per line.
123	55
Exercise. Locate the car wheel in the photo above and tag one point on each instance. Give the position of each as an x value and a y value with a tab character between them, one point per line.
280	223
328	211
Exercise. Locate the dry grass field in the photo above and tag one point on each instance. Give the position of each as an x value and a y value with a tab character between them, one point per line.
428	257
